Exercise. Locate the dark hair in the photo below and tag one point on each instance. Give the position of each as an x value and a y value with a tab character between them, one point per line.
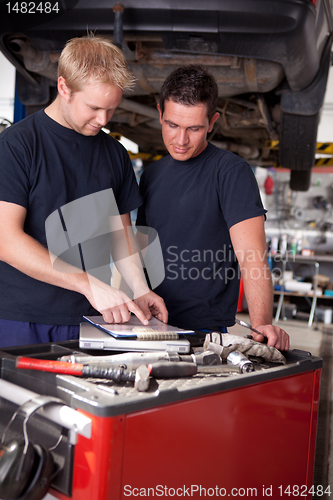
190	85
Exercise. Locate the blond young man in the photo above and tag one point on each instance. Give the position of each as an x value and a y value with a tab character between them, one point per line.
49	161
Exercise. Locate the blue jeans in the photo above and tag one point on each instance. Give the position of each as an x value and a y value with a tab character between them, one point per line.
16	333
222	329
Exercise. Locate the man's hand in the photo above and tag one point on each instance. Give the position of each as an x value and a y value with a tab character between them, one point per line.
152	305
276	337
114	305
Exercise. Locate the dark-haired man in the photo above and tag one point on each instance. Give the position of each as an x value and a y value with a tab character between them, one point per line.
205	204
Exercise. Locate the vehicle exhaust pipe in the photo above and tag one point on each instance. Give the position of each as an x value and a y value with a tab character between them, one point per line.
118	33
246	152
23	48
35	61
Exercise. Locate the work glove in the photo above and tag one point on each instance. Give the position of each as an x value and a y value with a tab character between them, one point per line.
225	343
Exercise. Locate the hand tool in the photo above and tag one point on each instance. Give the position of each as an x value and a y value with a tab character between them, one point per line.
205	358
142	378
166	369
177	370
132	361
237	358
224	369
250	327
117	374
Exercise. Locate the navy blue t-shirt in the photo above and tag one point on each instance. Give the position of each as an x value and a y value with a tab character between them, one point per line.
192	205
44	166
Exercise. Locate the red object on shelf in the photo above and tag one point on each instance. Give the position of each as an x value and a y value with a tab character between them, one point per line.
240	296
269	185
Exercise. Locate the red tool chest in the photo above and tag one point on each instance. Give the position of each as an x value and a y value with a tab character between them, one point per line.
247	435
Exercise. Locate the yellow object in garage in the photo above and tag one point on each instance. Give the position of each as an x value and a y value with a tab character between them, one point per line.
323	148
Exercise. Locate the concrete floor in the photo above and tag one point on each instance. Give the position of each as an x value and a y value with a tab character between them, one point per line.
318	340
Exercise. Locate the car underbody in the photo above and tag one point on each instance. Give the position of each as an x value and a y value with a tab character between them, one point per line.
270	60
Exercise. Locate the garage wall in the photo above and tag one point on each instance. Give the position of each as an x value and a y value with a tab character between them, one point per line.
7	89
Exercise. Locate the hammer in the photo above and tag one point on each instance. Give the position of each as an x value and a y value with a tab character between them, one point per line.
140	376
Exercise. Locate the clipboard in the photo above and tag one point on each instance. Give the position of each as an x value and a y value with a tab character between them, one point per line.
134	329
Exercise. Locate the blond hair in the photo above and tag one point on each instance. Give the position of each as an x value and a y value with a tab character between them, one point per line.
93	59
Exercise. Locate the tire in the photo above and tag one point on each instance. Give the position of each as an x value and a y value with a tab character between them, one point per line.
297	148
300	181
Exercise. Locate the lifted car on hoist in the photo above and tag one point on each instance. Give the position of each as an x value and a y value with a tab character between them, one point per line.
270	59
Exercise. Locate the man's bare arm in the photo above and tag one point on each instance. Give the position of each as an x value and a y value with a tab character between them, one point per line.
131	269
249	242
21	251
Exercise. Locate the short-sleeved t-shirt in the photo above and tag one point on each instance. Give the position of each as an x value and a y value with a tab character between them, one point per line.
43	167
192	205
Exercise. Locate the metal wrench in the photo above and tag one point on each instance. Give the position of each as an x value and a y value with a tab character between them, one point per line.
250	327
